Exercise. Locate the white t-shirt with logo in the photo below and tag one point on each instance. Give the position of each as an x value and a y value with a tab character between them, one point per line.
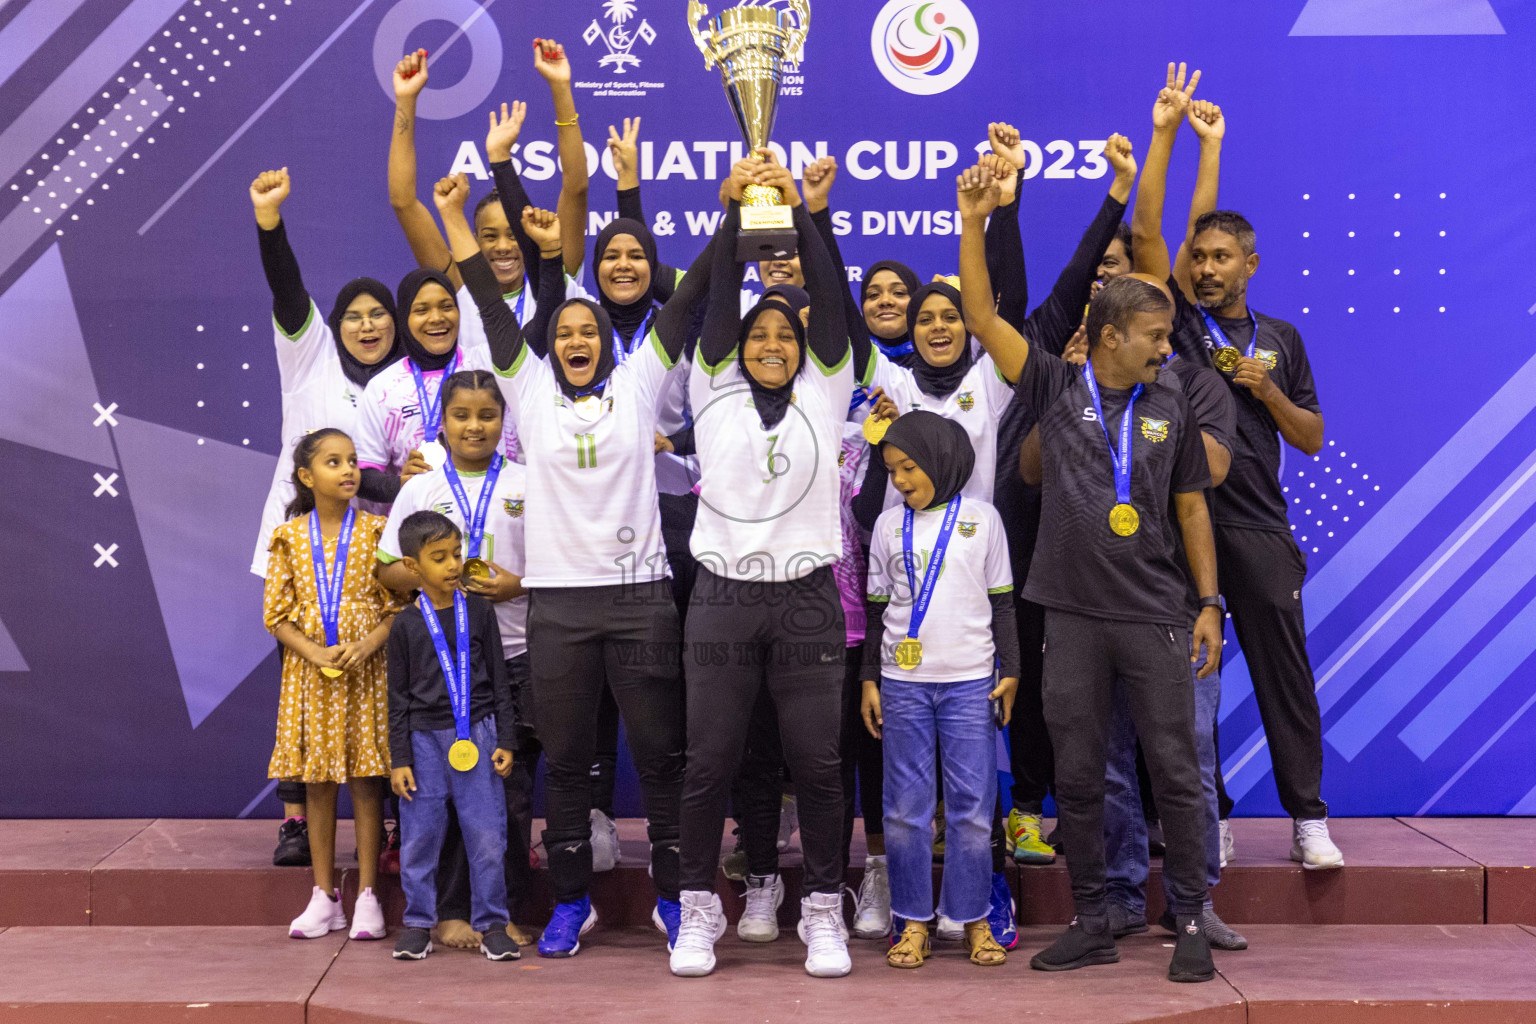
956	632
768	496
390	423
503	540
977	405
592	464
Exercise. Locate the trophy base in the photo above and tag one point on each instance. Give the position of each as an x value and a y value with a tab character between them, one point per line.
767	233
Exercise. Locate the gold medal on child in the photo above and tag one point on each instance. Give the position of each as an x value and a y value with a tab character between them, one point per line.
909	653
1226	358
875	428
463	755
330	673
1124	520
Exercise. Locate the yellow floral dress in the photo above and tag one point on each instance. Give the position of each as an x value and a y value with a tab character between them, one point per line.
329	730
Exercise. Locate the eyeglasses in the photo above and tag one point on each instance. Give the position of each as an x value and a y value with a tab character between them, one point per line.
372	316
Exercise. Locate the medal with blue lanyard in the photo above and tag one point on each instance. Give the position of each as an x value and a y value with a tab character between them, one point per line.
463	755
329	584
475	567
1124	520
1226	355
909	652
620	352
432	412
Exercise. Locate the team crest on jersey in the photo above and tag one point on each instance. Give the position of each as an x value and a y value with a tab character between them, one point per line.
967	401
967	527
842	459
1154	430
513	507
1268	356
443	508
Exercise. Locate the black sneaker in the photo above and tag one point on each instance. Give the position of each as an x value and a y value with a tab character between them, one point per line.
1122	922
1086	942
1192	956
414	944
1217	932
496	945
292	844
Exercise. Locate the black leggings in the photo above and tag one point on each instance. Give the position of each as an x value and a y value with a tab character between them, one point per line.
788	638
578	637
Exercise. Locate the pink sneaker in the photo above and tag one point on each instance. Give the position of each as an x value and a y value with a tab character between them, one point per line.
320	918
367	917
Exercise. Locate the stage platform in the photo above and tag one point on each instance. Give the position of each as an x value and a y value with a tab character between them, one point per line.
1434	920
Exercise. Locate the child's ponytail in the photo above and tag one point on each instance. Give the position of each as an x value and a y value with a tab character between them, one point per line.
303	454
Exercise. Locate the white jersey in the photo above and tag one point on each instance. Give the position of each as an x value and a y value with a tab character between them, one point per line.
592	464
977	405
390	421
768	496
956	632
316	393
503	540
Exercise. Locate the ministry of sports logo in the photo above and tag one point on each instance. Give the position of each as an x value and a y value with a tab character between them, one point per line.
619	40
924	48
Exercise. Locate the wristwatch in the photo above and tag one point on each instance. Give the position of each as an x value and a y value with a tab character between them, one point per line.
1214	602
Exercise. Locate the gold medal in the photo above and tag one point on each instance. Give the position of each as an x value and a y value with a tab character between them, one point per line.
909	653
463	755
1124	520
874	429
1226	358
331	673
477	569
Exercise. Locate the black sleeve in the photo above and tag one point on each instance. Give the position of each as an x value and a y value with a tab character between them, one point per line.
501	328
513	197
1042	380
290	300
682	442
630	207
827	336
722	317
546	299
1211	399
501	687
853	313
869	502
1051	324
377	485
1300	387
674	324
398	661
874	637
1005	635
1005	263
1191	468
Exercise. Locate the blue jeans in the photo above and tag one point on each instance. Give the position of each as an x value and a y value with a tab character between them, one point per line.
480	800
1125	827
958	718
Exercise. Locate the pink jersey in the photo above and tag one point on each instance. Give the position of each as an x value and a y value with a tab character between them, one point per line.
390	423
848	570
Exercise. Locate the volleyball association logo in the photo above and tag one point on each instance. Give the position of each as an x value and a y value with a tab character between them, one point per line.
924	48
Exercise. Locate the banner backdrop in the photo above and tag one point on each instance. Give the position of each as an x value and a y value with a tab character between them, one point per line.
1378	147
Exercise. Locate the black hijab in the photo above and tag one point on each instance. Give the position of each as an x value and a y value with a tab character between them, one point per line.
627	318
938	381
940	447
605	362
405	298
793	296
357	371
771	403
898	350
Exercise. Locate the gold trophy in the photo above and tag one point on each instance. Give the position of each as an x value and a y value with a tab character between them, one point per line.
750	43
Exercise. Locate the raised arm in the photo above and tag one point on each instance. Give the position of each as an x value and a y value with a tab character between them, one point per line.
501	327
827	336
500	137
1005	243
1149	252
1053	322
549	60
427	245
625	150
722	316
543	229
817	180
1208	124
978	195
674	324
290	299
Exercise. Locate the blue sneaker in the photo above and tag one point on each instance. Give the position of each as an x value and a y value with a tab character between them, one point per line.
668	917
562	936
1005	928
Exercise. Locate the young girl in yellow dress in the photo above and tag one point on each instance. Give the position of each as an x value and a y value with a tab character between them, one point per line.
332	617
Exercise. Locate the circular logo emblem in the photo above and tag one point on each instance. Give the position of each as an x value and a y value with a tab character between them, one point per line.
924	48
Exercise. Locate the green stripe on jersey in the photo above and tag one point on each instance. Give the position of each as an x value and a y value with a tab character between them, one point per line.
313	312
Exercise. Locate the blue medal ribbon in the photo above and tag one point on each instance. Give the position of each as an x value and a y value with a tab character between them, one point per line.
1220	337
431	412
1122	460
458	681
474	528
892	351
330	584
522	301
620	350
922	598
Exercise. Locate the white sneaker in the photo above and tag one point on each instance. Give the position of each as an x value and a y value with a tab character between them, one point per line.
1228	848
872	914
1313	847
789	820
760	920
826	943
367	917
605	842
693	954
320	918
948	929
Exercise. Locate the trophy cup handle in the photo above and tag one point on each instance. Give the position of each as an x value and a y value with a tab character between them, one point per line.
696	12
794	44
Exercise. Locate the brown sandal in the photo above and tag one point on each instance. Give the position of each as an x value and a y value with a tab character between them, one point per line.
914	943
979	940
